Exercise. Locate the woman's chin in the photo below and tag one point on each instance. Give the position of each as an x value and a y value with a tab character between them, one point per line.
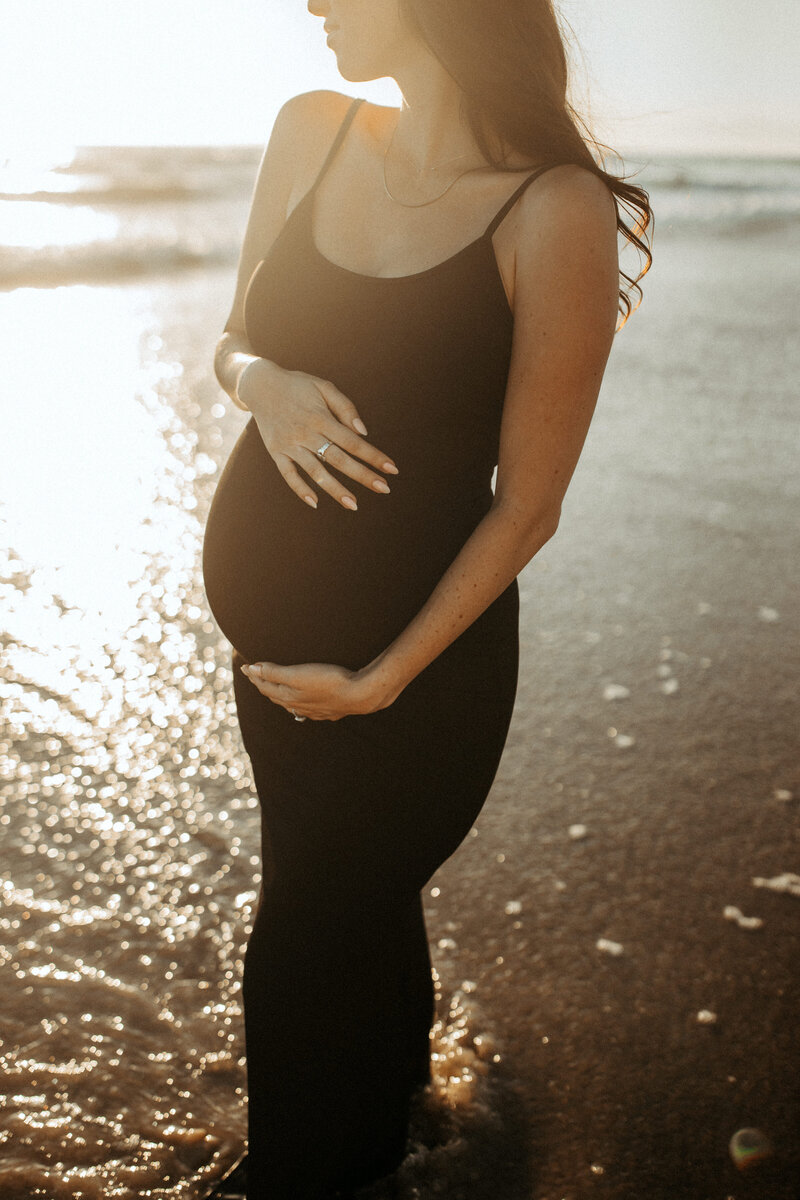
354	73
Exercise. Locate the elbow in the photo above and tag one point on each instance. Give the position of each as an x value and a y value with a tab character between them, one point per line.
219	351
226	344
548	524
537	535
531	530
541	532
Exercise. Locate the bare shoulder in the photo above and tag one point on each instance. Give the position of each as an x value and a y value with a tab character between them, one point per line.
565	253
305	126
307	111
566	202
301	135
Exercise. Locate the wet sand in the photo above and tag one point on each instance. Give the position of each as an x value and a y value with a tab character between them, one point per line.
672	575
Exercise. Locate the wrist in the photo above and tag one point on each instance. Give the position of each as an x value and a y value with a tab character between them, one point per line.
250	381
379	683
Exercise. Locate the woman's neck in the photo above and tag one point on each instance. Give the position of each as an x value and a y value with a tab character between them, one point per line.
430	130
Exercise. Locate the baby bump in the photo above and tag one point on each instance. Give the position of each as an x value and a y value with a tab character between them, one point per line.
288	583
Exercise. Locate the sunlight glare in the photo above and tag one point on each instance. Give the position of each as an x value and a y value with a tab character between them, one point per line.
82	459
37	224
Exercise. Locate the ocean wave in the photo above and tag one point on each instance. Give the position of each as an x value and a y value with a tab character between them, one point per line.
142	174
135	175
723	210
119	212
104	262
110	193
715	174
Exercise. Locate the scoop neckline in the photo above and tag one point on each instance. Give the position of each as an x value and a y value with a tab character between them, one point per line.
309	199
483	239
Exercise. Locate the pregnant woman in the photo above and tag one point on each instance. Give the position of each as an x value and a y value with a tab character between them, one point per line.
424	294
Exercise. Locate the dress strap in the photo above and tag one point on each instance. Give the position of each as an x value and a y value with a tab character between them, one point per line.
337	141
509	204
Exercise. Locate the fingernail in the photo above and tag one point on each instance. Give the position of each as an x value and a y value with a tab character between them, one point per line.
310	500
245	669
389	466
349	502
381	486
360	427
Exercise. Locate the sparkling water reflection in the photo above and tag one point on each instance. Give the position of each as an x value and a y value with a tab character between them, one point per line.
125	801
129	862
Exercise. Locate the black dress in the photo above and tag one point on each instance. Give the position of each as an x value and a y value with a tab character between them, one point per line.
357	814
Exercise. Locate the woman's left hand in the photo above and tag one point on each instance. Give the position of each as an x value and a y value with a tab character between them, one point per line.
320	691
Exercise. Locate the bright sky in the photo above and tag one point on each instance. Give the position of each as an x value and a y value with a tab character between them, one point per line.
693	75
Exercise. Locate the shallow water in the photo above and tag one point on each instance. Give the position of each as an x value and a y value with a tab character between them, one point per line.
129	863
126	807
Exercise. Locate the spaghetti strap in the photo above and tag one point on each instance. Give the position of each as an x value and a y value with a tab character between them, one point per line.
509	204
337	141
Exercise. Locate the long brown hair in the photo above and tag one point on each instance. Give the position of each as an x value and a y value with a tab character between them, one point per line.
509	60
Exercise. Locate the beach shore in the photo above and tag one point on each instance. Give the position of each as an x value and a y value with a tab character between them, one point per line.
670	585
651	773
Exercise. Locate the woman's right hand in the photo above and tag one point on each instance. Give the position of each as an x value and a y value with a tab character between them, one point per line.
296	414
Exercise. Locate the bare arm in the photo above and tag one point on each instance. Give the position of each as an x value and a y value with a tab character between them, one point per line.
269	206
565	311
295	412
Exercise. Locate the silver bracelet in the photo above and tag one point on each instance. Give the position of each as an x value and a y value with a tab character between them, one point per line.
242	373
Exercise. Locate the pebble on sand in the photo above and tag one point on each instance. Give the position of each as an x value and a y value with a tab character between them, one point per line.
748	1147
783	794
668	686
706	1017
788	882
616	691
577	832
768	614
513	907
731	913
609	947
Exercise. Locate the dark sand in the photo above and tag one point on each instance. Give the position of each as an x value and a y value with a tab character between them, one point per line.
678	543
675	561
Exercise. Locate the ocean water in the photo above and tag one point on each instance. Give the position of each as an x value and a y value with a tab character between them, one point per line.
114	212
128	858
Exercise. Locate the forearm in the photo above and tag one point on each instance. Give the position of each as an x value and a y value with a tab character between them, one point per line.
232	357
501	545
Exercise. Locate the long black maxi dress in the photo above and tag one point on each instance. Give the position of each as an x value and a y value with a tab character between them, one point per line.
358	813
